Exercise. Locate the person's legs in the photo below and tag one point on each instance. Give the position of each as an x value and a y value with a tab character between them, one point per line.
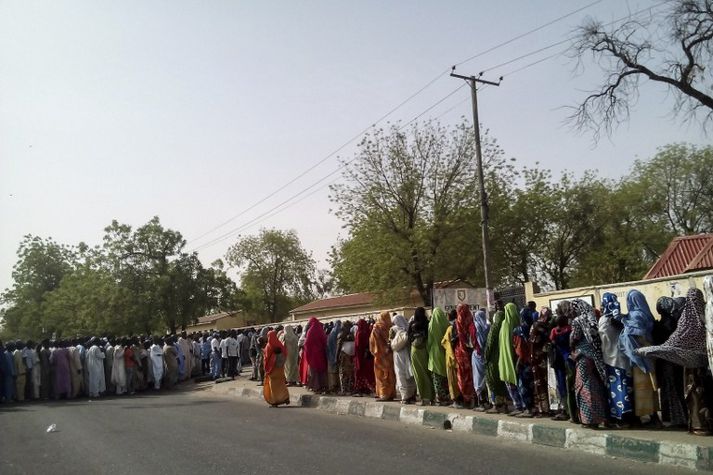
130	380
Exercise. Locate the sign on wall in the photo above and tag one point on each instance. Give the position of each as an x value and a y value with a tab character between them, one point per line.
450	298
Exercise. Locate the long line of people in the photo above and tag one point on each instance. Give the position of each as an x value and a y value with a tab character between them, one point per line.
599	367
94	367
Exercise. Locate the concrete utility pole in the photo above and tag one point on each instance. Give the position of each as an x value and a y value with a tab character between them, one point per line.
484	207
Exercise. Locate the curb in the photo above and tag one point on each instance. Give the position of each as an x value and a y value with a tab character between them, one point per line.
685	455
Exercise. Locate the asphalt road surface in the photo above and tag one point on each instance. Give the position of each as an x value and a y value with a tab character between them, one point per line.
193	432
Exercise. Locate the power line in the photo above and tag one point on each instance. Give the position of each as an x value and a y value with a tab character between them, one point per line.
384	116
534	30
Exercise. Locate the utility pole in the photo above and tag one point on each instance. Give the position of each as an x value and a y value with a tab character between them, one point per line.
484	207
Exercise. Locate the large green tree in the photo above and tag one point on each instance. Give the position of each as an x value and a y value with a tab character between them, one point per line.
277	273
407	200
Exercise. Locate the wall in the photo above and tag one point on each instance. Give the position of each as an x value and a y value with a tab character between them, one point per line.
653	289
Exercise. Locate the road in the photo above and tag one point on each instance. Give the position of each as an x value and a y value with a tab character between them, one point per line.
193	432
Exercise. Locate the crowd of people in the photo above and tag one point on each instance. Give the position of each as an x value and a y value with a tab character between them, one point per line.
598	367
94	367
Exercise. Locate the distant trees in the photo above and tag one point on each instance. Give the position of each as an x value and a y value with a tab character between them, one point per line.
277	274
138	281
410	206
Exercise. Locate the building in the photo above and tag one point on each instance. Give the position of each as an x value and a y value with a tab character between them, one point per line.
684	264
371	304
220	321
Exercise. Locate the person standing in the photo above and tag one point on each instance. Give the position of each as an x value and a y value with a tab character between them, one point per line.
482	328
448	342
275	389
400	346
345	352
45	370
506	362
36	370
156	362
332	358
75	370
29	364
129	368
619	380
231	349
260	358
20	371
186	348
96	369
118	369
315	353
383	359
463	349
289	339
363	360
418	337
539	344
7	373
62	373
495	385
108	365
170	359
205	354
437	327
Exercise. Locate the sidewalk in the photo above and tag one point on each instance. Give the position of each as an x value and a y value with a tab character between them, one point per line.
666	447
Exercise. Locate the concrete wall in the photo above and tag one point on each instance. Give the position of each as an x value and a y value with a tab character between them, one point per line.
653	289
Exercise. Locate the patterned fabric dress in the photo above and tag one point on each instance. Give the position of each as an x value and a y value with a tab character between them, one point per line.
463	349
539	339
590	373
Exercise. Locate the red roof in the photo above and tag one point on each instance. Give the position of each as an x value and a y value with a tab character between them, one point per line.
684	254
214	317
351	300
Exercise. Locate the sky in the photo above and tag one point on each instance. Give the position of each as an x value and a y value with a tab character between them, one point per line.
195	111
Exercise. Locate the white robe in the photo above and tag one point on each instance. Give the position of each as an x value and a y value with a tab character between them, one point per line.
405	382
156	358
118	371
95	368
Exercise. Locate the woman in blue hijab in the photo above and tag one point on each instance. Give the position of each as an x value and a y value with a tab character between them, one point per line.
638	333
333	358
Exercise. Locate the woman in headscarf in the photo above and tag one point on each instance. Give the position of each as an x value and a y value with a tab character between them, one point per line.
637	333
506	361
464	346
289	339
332	357
482	327
687	346
590	393
345	355
669	375
448	343
303	366
383	360
399	342
437	327
274	389
496	387
539	344
619	379
315	352
708	288
418	336
564	366
363	360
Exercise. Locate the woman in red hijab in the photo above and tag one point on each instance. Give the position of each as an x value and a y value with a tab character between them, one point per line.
274	389
363	360
315	352
463	352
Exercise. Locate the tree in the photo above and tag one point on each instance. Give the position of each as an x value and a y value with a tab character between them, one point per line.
679	187
407	201
672	48
41	266
276	272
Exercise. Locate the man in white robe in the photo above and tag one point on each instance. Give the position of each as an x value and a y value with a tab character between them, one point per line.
95	369
187	350
156	359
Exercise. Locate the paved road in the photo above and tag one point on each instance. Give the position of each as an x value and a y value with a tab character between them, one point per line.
198	433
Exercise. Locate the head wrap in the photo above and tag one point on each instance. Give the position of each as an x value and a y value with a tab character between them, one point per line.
586	322
436	330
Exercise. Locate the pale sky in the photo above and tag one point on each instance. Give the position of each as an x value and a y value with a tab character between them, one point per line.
194	110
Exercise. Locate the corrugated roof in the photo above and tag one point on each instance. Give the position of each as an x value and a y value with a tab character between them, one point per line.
684	254
214	317
351	300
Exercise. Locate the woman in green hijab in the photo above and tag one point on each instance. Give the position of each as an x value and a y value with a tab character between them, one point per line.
437	327
506	362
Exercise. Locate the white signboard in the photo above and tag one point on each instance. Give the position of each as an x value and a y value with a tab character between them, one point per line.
450	298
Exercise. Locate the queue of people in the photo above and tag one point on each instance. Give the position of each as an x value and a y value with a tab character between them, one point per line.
95	367
598	367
